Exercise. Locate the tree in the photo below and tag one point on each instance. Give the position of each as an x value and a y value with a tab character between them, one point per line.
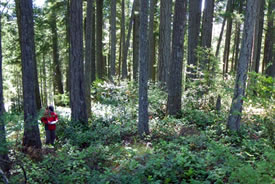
152	48
99	44
36	85
237	39
269	40
175	70
24	11
258	35
44	79
193	34
245	56
93	54
88	54
77	84
58	86
222	28
4	159
143	118
113	38
122	37
67	20
228	37
136	40
127	43
207	25
164	39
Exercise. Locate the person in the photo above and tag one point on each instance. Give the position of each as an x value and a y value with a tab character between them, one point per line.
50	119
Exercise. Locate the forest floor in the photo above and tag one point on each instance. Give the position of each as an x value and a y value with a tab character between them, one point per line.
196	148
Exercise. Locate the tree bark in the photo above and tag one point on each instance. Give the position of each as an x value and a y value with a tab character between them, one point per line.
143	118
68	45
256	39
31	137
36	85
45	102
207	25
122	37
4	159
99	44
269	40
194	30
136	40
220	37
77	83
222	29
245	56
152	50
88	54
57	71
175	70
113	38
227	38
259	36
127	43
164	39
93	54
237	38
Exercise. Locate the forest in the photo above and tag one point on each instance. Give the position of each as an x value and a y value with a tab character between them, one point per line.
137	91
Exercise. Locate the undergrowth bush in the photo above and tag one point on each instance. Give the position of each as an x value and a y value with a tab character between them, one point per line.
195	148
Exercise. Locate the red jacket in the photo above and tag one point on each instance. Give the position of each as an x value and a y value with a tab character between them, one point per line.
50	118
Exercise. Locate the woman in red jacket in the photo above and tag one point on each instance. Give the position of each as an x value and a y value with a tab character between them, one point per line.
50	119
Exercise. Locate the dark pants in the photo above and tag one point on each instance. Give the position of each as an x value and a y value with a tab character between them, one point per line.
50	136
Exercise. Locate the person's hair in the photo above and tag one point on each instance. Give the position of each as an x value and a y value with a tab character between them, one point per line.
50	108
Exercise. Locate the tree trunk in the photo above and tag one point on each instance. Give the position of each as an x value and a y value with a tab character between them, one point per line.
222	29
269	40
227	38
120	51
175	70
245	56
259	36
88	54
194	30
136	41
164	39
122	36
256	39
207	25
113	38
143	118
57	71
45	102
36	85
237	38
4	159
127	43
123	66
99	44
68	45
93	54
220	37
31	136
152	50
77	85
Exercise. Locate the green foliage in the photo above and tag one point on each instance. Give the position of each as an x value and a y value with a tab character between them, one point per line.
62	99
196	148
259	172
261	89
